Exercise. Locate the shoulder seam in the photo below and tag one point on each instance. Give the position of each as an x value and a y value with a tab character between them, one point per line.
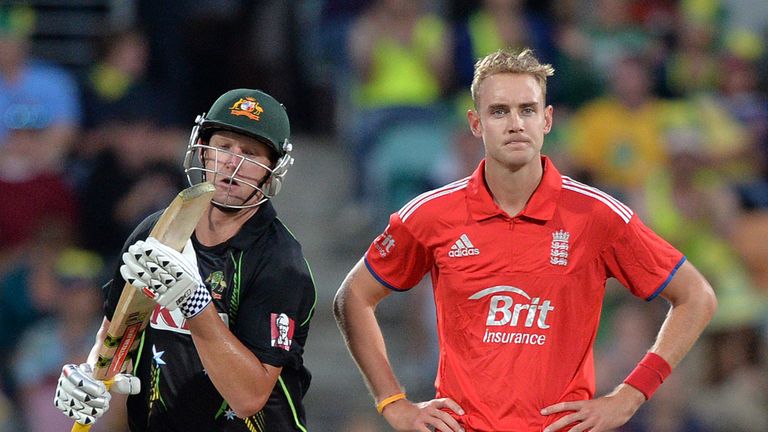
422	199
621	209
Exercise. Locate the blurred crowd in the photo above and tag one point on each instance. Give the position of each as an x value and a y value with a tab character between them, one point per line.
662	103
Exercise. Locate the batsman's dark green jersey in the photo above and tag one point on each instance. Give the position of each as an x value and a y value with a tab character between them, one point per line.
263	289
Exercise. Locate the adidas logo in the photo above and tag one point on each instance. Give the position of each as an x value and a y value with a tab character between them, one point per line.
463	247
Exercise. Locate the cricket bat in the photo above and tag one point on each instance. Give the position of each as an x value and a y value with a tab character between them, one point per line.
173	228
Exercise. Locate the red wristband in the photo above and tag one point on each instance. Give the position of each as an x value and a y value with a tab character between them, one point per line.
649	374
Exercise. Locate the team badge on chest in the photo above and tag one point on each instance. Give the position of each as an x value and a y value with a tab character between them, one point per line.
217	283
559	249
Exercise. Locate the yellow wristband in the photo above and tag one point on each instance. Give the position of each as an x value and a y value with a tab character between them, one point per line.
394	398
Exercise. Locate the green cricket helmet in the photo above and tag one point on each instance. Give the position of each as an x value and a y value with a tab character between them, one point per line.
252	113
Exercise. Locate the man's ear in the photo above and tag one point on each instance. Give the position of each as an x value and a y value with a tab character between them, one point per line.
474	123
548	112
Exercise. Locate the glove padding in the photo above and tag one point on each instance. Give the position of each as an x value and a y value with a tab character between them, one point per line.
166	276
84	398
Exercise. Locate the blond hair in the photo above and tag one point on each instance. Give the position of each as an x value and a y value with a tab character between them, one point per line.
509	61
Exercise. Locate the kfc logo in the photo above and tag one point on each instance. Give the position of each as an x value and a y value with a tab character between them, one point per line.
282	331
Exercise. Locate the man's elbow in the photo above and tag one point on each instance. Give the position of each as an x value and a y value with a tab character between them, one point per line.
248	406
701	301
709	300
338	304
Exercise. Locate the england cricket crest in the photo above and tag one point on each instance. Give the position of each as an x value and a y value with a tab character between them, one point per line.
559	249
282	331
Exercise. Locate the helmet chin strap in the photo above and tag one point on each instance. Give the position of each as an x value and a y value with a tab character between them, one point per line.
255	191
224	208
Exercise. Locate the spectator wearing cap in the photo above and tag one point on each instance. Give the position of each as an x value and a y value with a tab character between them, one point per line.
128	145
33	94
27	291
66	335
39	113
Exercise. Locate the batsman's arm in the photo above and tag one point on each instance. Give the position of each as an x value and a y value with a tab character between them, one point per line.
84	398
173	281
118	338
240	377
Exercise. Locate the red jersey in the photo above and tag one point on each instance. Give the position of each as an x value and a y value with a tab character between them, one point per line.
518	299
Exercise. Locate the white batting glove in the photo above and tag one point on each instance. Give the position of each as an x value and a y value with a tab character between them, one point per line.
84	398
166	276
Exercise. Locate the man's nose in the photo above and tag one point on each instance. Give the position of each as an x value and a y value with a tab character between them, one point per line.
515	123
233	157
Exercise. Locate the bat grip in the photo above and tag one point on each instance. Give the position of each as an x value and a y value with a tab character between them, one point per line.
77	427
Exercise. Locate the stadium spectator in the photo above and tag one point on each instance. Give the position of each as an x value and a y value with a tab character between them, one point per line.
739	94
402	69
692	66
28	293
134	175
66	335
617	138
33	195
33	92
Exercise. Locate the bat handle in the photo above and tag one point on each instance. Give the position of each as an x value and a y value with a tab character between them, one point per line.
77	427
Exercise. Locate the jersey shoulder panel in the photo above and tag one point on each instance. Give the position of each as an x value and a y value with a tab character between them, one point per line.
288	246
284	268
432	204
603	206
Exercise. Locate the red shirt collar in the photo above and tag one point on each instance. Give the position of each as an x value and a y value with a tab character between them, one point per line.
540	206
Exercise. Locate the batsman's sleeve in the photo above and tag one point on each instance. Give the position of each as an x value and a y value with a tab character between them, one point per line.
274	312
396	258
